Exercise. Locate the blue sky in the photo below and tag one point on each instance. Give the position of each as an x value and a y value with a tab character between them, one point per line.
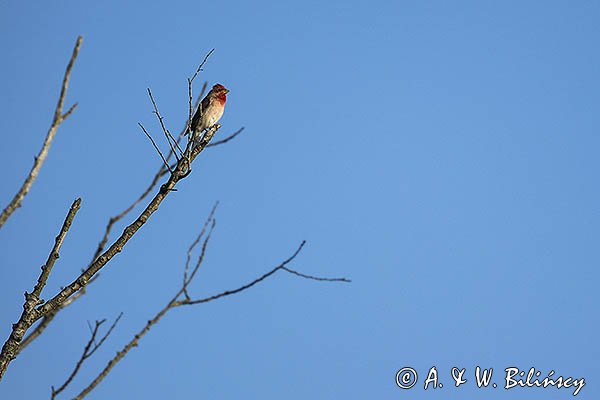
444	156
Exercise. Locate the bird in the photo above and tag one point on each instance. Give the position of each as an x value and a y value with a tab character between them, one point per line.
210	110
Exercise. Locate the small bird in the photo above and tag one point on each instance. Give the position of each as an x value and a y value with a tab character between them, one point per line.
210	110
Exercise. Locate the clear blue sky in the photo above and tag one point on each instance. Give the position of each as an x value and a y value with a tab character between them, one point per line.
444	156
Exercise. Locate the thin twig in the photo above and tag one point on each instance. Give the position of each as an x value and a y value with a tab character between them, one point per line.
281	266
193	245
190	84
106	335
202	64
200	259
164	128
88	351
59	117
156	147
227	139
315	278
188	126
55	392
133	343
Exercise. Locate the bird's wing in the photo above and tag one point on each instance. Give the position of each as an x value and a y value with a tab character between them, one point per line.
196	118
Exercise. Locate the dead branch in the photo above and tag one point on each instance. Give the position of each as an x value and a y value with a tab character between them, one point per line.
89	349
314	278
43	324
166	164
227	139
30	314
37	309
54	254
188	130
172	141
159	174
59	117
134	342
282	266
191	249
177	299
48	318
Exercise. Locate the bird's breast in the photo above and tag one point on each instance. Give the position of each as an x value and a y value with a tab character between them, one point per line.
213	114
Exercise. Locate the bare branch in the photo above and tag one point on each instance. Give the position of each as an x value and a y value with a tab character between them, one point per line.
164	128
44	312
63	90
159	174
315	278
44	322
181	171
156	147
199	262
55	392
188	277
88	351
190	84
133	343
106	335
30	314
202	64
227	139
178	173
53	256
193	245
281	266
69	111
39	329
59	117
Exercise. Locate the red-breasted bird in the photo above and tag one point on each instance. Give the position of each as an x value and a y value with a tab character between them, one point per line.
211	110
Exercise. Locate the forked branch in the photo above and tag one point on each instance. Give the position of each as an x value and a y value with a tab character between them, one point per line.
162	171
32	300
35	308
89	349
182	297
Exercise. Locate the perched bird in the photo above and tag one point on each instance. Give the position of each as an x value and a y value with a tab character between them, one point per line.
210	110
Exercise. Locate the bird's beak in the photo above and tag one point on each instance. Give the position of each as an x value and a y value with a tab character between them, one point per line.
226	91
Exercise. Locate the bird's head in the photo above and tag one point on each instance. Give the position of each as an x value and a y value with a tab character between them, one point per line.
220	92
